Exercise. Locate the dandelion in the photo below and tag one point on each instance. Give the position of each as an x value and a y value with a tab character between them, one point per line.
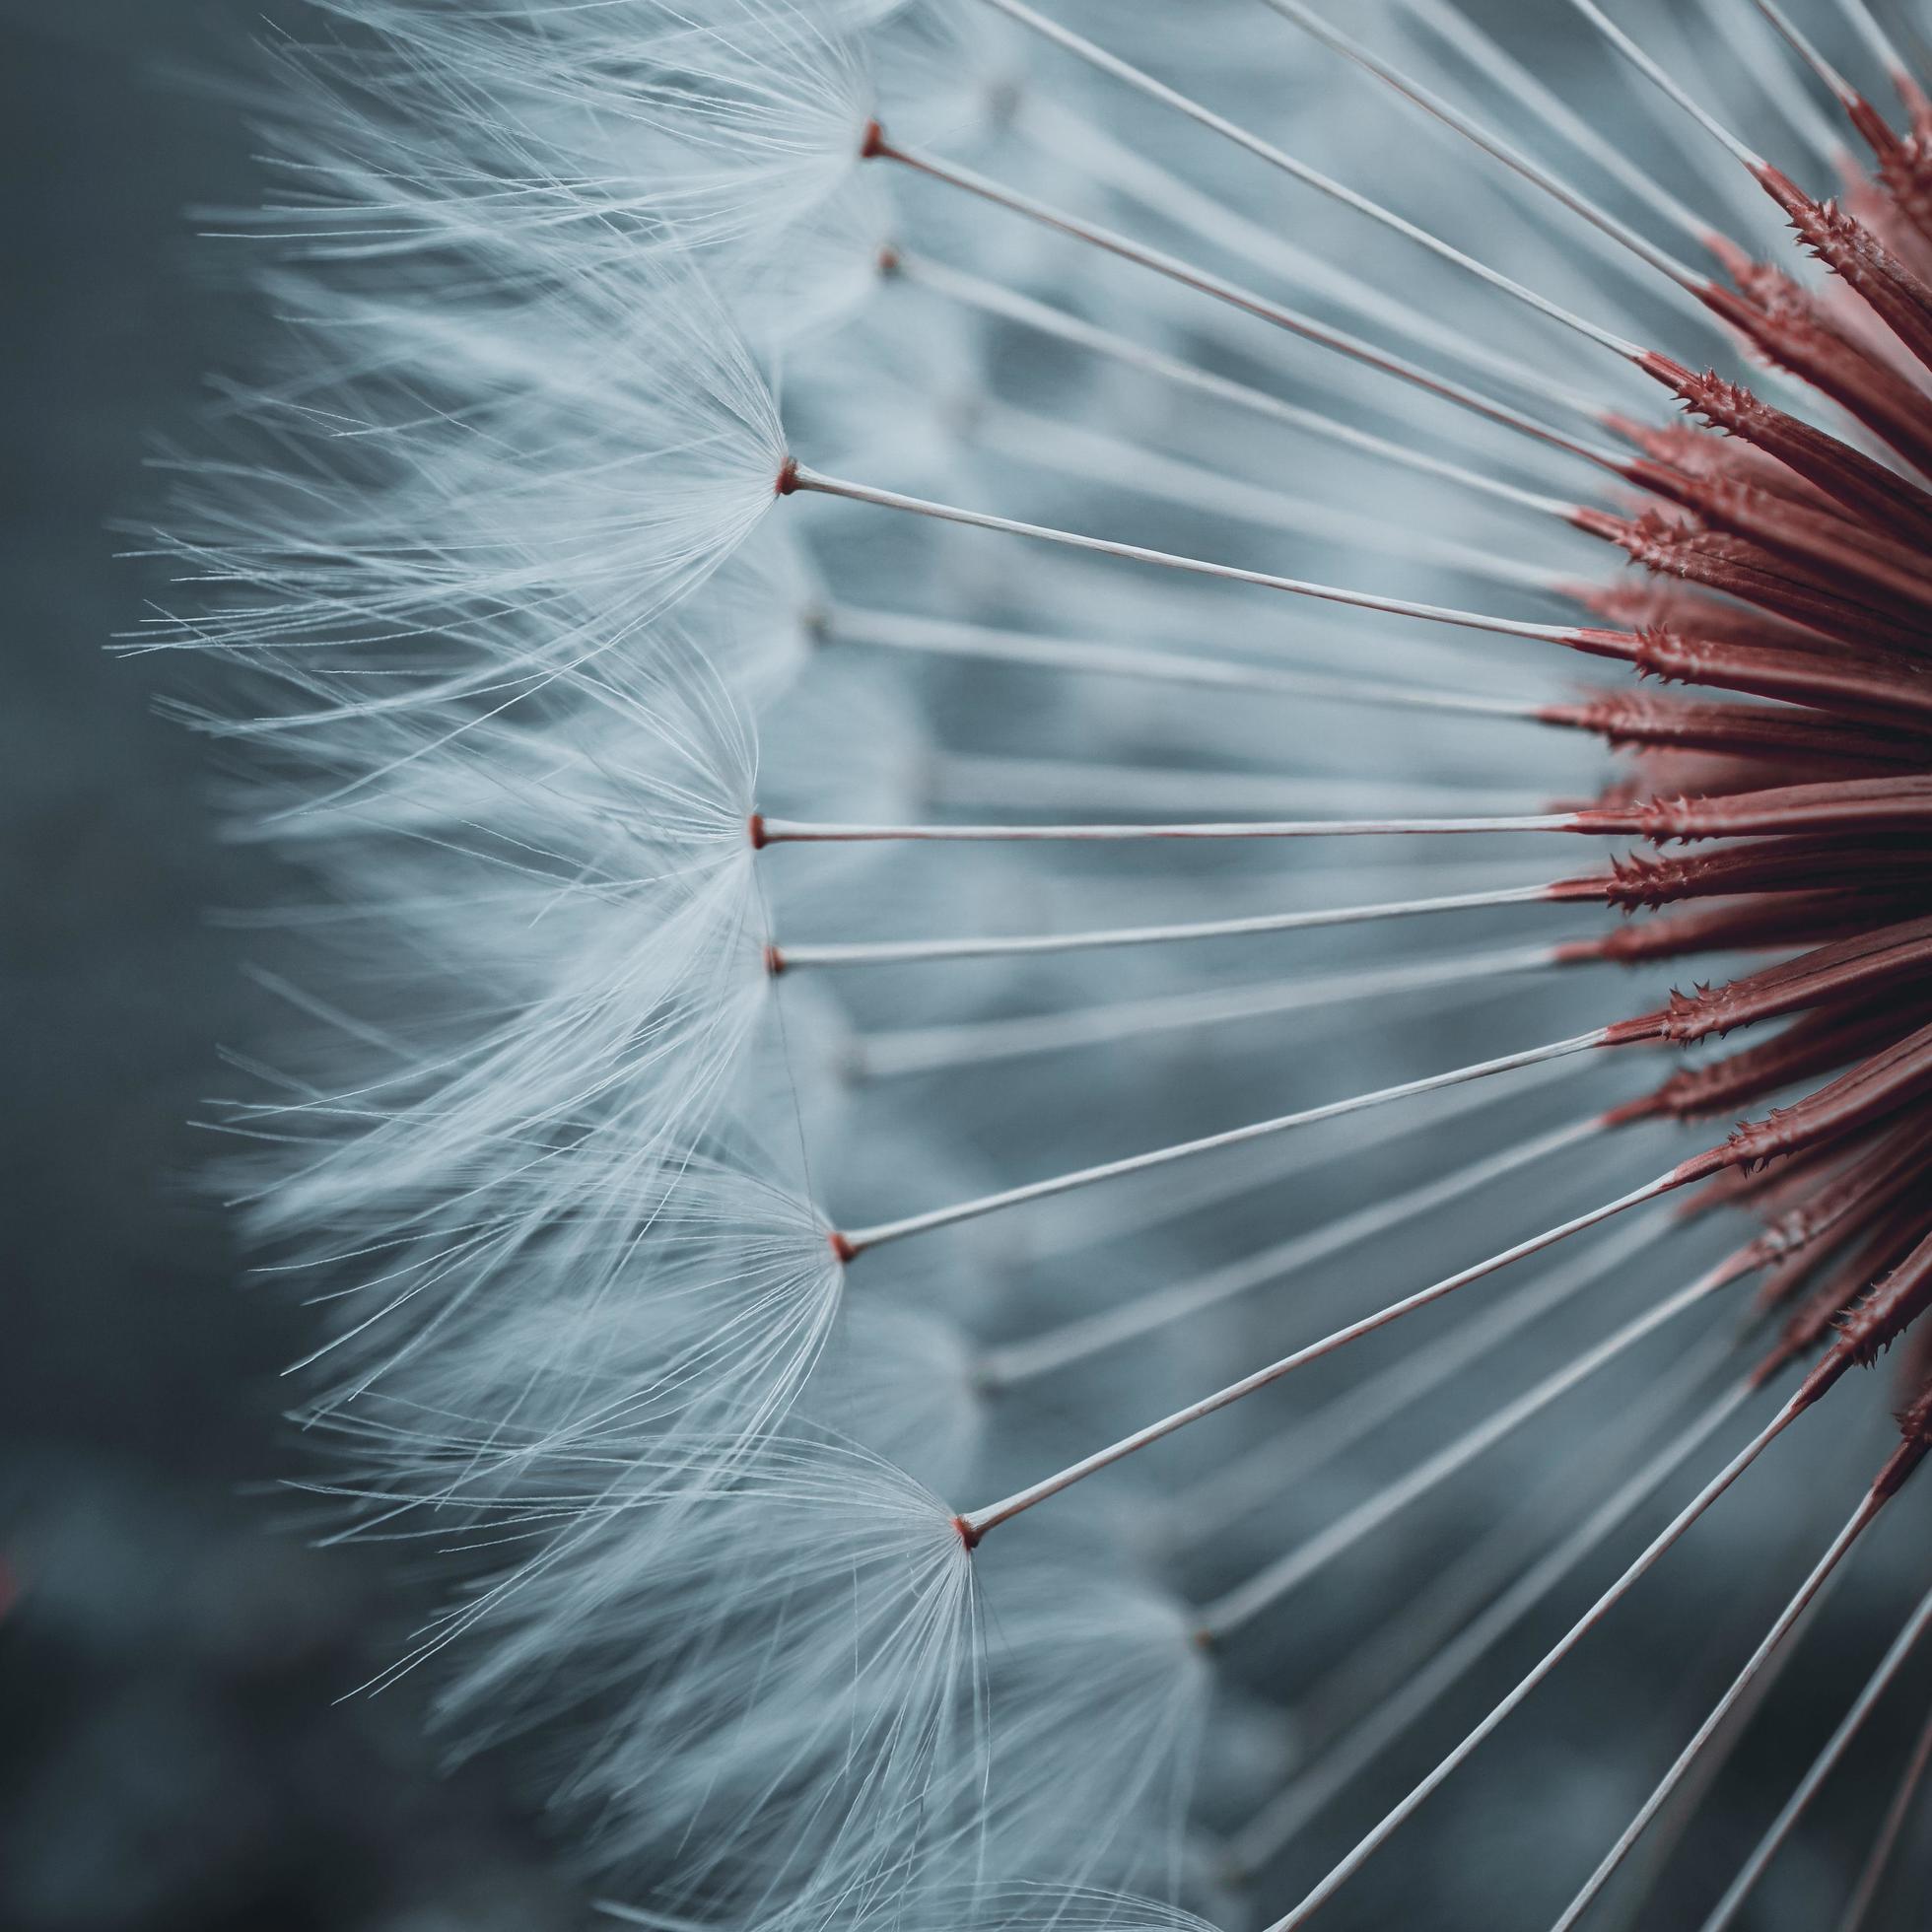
995	1127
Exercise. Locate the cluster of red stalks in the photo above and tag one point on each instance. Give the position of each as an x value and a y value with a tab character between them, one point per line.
1793	566
1791	581
1786	803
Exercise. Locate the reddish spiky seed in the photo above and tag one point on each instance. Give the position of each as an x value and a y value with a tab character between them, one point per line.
1787	566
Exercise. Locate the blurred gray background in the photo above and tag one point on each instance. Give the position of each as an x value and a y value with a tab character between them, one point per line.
173	1753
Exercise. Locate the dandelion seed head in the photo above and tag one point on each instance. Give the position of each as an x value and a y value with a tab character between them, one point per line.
1020	746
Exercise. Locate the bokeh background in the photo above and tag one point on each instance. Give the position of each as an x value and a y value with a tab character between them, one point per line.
180	1749
180	1741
